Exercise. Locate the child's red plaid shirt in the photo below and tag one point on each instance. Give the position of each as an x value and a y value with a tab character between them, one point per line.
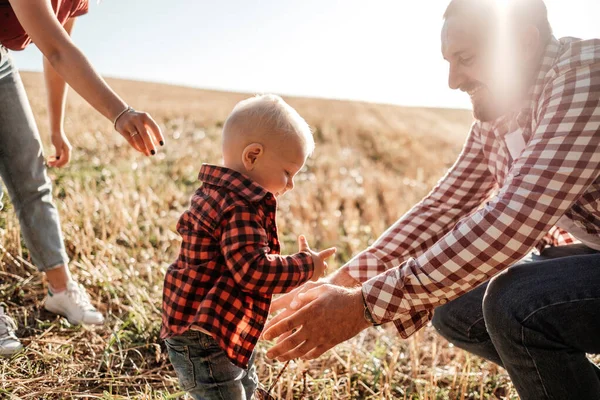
228	266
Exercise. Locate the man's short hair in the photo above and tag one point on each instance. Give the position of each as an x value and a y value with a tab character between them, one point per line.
519	12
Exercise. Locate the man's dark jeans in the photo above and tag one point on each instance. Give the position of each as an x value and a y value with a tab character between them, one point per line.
537	319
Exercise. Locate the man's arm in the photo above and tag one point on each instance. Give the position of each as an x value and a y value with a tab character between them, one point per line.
466	186
558	165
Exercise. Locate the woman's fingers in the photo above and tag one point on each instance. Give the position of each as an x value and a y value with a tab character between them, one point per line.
154	129
145	133
141	131
135	141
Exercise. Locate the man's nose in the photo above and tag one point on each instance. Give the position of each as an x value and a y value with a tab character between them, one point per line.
455	77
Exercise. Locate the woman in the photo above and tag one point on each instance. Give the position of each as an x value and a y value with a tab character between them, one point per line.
48	23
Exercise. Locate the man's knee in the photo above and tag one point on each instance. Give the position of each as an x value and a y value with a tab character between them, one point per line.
500	304
442	321
447	322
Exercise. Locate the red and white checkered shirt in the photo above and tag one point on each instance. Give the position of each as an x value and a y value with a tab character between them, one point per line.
493	207
229	264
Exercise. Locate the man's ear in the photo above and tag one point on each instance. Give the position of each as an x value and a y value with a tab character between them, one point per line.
251	154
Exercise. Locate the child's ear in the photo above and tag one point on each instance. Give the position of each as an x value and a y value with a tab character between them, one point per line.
251	154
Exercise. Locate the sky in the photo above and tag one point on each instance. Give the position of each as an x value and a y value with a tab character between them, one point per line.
385	51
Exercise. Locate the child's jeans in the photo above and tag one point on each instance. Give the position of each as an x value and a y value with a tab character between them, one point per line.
204	370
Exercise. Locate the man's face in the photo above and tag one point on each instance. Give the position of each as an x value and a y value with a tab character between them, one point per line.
480	65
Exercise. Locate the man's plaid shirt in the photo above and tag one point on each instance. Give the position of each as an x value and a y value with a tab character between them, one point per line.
228	266
493	207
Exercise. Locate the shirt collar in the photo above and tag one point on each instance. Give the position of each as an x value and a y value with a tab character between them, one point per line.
547	62
232	180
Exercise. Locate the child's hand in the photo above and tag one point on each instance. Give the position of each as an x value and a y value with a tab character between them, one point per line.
318	257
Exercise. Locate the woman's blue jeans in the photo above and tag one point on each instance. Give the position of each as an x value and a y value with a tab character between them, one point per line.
23	171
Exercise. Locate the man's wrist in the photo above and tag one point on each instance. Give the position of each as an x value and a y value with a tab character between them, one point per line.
342	278
367	312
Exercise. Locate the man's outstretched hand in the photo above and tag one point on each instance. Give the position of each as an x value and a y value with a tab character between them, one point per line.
323	317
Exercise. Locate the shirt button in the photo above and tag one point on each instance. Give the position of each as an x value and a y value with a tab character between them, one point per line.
443	301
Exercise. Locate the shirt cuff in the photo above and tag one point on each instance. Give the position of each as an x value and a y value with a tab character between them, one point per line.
364	266
385	297
306	267
409	324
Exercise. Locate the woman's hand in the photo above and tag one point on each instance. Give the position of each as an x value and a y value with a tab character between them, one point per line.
39	21
62	147
140	130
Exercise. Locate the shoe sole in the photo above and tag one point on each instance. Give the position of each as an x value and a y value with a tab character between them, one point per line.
10	354
59	312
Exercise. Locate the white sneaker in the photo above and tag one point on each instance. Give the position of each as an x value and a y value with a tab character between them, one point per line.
9	343
74	304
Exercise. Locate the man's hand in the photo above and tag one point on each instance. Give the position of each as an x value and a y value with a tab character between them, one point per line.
320	266
63	150
289	302
327	316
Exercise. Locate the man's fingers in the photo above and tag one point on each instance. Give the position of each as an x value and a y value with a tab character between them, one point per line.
282	315
325	254
287	324
291	342
299	351
309	295
287	299
283	301
284	336
296	304
316	352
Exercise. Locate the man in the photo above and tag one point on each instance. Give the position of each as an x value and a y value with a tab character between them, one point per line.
528	174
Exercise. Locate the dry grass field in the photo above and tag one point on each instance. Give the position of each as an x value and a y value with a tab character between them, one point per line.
119	210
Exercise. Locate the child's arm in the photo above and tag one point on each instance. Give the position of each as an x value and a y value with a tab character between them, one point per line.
244	245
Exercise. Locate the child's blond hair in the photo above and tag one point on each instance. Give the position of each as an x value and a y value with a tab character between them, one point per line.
267	114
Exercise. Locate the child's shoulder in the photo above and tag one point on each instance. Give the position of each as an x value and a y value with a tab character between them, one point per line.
213	203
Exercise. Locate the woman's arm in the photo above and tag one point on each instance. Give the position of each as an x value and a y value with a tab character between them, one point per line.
56	89
40	23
